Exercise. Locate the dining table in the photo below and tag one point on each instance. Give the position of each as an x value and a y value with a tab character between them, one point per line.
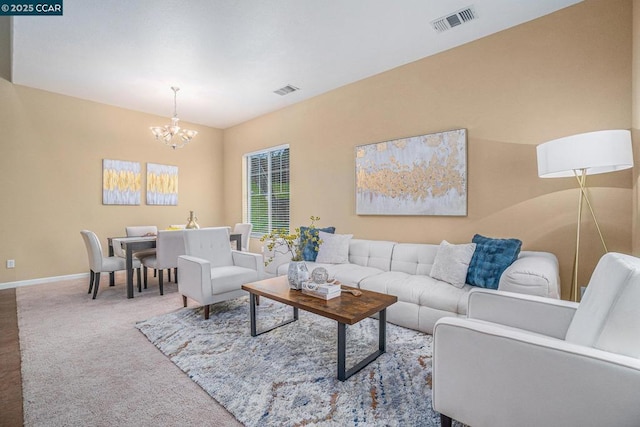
135	244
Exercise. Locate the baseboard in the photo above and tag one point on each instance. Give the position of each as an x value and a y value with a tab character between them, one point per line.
30	282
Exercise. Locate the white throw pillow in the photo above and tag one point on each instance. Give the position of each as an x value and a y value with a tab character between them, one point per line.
334	248
452	262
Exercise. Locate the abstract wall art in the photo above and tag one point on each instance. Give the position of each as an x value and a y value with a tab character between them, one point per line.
420	175
120	182
162	184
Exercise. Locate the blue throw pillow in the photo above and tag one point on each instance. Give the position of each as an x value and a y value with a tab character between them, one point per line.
310	250
490	260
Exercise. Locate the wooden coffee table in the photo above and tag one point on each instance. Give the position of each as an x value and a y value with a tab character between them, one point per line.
346	310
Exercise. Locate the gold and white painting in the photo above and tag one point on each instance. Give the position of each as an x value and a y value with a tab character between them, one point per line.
420	175
162	184
120	182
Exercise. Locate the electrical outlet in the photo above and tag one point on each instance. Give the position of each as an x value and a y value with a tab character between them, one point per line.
11	263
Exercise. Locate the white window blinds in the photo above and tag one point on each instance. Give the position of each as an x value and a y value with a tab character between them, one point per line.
267	204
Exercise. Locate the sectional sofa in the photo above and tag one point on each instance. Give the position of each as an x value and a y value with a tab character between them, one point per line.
402	269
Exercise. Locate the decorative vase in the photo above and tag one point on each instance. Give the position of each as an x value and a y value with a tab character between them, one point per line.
191	222
297	274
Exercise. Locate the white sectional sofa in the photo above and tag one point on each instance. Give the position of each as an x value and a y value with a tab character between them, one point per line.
402	269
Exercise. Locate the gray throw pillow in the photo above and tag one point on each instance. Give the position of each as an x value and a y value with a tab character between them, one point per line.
452	262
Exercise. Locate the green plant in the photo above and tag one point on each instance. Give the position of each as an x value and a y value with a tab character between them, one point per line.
280	241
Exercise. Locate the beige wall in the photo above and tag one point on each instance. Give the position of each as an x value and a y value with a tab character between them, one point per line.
566	73
51	161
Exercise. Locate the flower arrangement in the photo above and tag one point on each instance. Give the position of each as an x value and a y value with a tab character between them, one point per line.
280	241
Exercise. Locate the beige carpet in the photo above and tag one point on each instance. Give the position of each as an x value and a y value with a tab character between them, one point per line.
85	364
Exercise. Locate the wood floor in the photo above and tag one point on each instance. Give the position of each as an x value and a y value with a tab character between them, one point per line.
10	375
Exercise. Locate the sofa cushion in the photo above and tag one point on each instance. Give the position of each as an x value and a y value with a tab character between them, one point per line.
420	290
371	253
310	249
490	259
452	262
334	248
414	258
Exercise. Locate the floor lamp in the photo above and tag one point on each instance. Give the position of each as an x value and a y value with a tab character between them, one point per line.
581	155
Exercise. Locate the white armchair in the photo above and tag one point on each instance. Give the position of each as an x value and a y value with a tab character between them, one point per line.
211	272
533	361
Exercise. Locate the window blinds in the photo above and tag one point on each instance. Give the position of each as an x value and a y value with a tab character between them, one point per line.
268	190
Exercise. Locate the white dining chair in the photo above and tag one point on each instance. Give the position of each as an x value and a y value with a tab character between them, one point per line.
245	230
98	263
169	246
141	231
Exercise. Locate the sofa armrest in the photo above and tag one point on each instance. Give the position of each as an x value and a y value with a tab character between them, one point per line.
249	260
541	315
533	273
195	277
488	375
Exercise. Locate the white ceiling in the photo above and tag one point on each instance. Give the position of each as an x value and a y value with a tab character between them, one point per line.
229	56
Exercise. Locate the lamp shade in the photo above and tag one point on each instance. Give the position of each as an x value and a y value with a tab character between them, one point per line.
595	152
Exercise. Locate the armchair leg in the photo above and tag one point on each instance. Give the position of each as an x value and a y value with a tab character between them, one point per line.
160	282
112	278
206	312
139	280
96	284
184	301
445	421
145	274
91	274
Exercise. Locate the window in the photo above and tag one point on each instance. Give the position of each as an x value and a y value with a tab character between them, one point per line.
267	190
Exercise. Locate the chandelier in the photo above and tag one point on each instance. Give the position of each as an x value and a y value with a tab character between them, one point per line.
167	133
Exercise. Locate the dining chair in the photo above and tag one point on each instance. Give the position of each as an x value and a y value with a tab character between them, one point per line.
141	231
245	230
169	246
98	263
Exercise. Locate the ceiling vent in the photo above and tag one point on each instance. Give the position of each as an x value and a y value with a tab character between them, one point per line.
286	90
458	18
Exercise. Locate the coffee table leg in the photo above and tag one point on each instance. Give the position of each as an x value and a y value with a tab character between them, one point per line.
342	350
343	373
252	310
252	314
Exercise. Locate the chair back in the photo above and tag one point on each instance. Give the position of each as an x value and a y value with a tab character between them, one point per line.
94	250
245	230
141	230
169	246
211	244
608	317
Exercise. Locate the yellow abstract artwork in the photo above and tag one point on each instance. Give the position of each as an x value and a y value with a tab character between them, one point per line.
420	175
120	182
162	184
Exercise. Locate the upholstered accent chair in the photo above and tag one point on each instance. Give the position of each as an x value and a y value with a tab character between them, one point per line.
169	246
520	360
98	263
211	272
245	230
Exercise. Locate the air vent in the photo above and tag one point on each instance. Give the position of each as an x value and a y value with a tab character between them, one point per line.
286	90
453	20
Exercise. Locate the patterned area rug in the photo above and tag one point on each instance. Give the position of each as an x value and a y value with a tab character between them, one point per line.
288	376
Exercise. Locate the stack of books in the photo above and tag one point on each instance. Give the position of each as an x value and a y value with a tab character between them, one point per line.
324	291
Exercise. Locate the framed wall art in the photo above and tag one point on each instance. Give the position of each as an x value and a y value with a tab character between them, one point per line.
162	184
120	182
420	175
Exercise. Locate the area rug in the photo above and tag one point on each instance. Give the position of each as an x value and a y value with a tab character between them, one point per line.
288	375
